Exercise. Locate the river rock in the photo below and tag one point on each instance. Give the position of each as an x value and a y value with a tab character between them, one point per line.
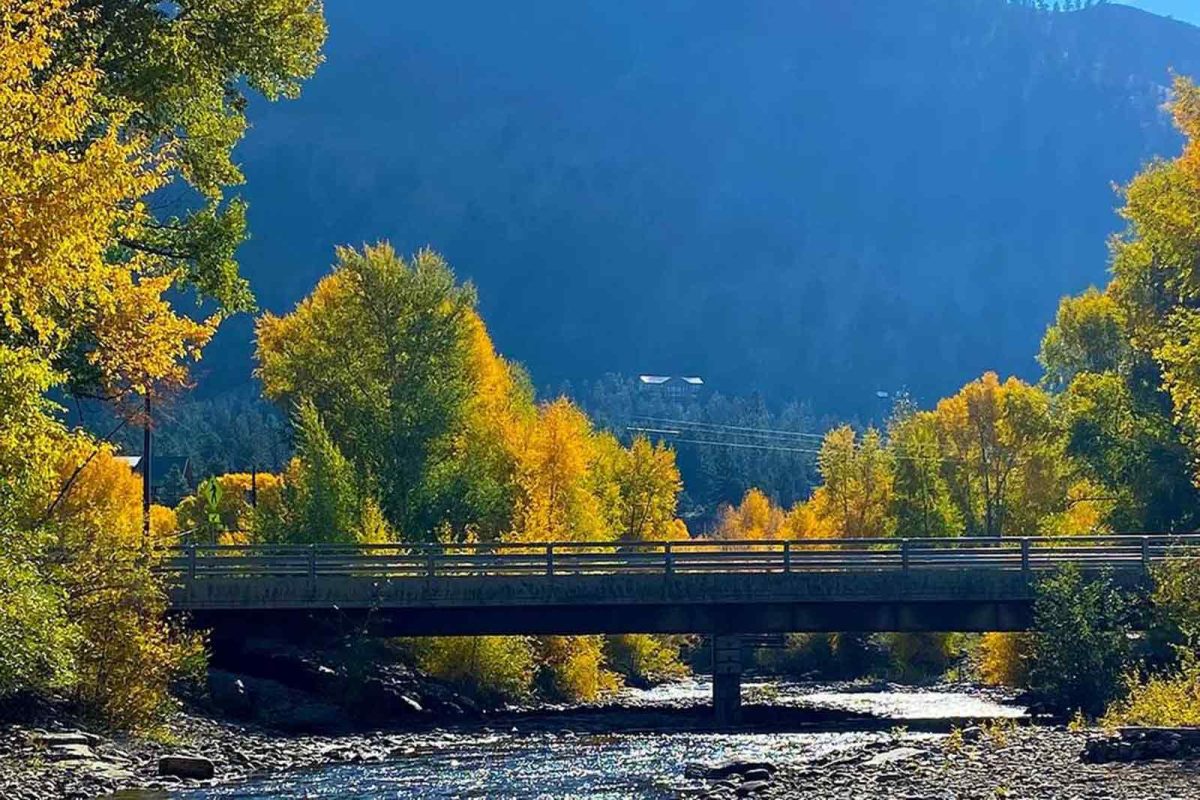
754	775
726	769
63	738
184	766
71	752
1143	744
895	756
971	734
751	787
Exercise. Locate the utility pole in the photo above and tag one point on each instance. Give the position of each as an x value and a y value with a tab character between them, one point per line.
147	444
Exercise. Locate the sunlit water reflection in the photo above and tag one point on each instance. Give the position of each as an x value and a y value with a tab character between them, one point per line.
565	765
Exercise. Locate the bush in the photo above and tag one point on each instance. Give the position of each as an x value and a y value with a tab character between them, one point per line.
1081	647
919	656
824	655
126	656
1161	700
643	659
573	668
1002	659
494	669
37	640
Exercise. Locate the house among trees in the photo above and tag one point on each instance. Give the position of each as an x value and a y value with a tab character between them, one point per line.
673	388
171	477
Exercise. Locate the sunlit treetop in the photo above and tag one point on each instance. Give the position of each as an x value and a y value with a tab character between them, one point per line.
176	72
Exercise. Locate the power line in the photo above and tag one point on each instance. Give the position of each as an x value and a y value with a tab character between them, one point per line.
723	427
767	446
680	426
739	445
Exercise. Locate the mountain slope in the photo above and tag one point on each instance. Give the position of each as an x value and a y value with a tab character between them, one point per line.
804	197
1185	10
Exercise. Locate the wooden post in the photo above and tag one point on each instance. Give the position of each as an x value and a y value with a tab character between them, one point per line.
1025	568
668	559
1146	553
550	560
787	556
904	555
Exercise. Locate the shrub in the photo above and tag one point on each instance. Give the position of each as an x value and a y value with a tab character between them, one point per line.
913	656
37	640
573	668
644	659
1081	647
491	668
1003	659
826	655
126	656
1161	700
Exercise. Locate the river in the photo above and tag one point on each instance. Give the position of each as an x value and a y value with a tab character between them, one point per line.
554	764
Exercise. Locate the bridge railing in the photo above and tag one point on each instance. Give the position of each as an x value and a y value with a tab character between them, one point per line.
694	556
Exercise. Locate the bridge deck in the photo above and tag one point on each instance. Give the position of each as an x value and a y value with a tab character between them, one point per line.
668	587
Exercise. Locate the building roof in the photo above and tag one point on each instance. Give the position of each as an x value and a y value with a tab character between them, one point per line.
659	380
161	466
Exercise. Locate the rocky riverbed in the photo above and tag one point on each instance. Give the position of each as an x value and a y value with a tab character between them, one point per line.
1028	762
640	750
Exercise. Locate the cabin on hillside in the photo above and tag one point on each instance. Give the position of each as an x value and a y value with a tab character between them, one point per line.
171	477
683	387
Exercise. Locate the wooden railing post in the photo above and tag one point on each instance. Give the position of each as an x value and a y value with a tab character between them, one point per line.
1146	553
787	556
668	559
312	562
430	564
549	559
1025	568
904	555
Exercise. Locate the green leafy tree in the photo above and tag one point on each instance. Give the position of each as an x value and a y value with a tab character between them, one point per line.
1088	335
1081	648
921	501
177	73
326	499
380	349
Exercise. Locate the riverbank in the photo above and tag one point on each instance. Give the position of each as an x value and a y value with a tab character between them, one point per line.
1030	762
821	741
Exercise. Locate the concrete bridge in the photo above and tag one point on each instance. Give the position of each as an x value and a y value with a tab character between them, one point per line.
719	588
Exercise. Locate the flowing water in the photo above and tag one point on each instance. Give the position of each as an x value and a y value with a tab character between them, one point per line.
604	766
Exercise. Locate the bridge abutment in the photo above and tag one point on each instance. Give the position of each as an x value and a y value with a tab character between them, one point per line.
727	678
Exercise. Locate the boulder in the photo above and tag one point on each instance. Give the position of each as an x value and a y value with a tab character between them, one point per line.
971	734
895	756
184	766
70	752
63	738
751	787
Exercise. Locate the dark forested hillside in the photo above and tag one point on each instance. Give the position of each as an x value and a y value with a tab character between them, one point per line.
807	198
1187	10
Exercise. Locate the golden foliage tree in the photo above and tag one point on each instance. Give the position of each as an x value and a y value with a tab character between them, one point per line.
755	517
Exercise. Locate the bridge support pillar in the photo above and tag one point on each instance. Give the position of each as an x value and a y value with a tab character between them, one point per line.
727	678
